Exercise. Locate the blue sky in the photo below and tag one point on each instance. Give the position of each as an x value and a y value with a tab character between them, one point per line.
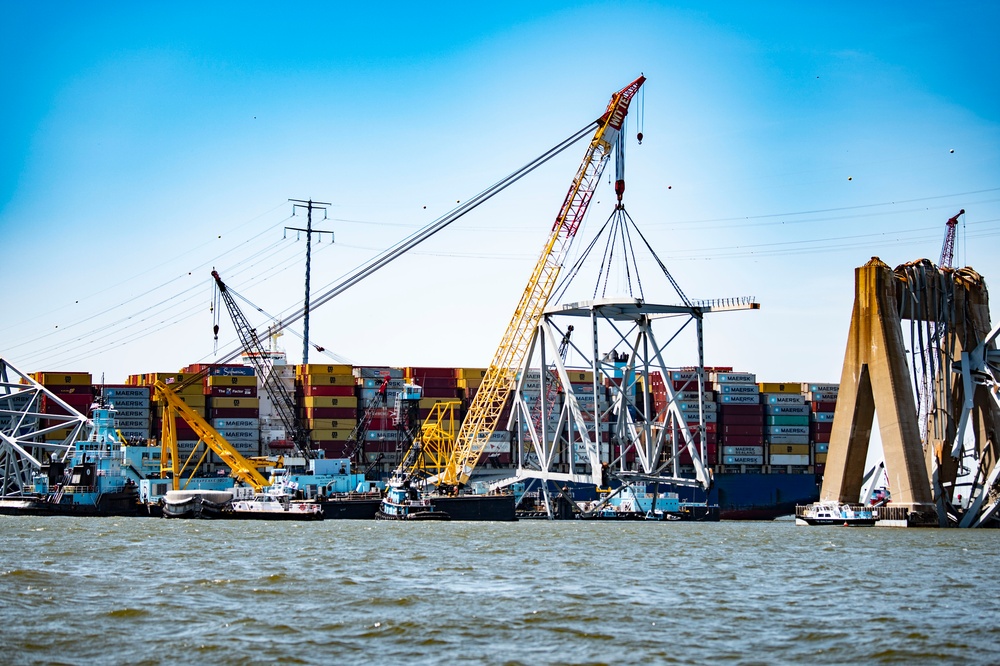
785	144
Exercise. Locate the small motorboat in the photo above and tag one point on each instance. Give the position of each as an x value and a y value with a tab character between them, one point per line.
835	513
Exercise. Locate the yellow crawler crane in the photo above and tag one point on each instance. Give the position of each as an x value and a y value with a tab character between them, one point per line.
484	412
242	469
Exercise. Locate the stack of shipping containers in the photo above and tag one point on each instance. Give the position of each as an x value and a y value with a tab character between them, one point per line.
822	402
191	392
74	388
685	385
741	421
329	406
787	428
382	435
133	416
233	405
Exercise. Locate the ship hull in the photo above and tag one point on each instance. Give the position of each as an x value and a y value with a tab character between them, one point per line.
498	508
109	504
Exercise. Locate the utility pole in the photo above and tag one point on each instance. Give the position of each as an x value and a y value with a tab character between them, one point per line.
309	231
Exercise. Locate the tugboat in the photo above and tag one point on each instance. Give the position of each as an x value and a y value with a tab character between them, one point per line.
89	480
403	502
835	513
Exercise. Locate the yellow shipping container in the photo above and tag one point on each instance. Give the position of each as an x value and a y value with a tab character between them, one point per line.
773	387
331	424
820	458
790	449
579	376
318	369
326	435
219	380
242	403
328	379
57	435
62	378
469	383
470	373
329	401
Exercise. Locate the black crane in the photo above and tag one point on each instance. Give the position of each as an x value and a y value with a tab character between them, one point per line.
276	391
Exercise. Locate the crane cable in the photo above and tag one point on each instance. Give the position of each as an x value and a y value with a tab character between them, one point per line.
395	251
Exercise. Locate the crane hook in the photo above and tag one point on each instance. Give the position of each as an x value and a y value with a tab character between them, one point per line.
639	138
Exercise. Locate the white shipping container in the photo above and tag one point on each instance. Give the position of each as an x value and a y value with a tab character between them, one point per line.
815	396
683	375
130	433
822	447
822	417
789	459
785	399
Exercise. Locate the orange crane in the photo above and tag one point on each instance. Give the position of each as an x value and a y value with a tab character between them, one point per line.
484	412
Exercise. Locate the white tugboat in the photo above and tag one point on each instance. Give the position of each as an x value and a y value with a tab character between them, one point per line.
835	513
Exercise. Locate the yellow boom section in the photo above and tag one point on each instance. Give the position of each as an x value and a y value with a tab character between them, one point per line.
242	469
484	412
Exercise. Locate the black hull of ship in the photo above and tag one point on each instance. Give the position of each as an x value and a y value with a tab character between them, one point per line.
490	508
350	509
110	504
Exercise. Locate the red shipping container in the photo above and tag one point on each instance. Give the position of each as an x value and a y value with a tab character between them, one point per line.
420	373
742	419
742	440
820	437
311	390
62	390
726	409
333	448
329	413
821	426
755	430
438	383
820	468
235	412
441	393
823	406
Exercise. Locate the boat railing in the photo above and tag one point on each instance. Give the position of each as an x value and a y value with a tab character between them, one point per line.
79	489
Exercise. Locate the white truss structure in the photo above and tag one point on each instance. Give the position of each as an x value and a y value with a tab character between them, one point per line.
980	371
26	432
565	444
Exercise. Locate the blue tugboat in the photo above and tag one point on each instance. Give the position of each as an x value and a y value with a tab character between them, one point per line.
88	480
403	502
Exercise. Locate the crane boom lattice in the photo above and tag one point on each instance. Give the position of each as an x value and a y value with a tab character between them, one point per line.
276	391
485	410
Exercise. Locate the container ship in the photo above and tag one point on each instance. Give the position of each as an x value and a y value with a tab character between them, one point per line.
766	442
